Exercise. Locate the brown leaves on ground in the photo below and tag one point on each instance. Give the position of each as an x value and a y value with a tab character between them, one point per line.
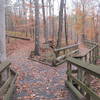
36	81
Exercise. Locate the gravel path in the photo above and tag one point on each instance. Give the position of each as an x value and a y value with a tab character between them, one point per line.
36	81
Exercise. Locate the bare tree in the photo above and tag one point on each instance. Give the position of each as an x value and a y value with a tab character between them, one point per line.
37	27
97	24
60	24
53	23
66	24
44	21
24	16
2	31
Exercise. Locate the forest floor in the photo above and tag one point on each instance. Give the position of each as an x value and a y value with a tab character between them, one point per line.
36	81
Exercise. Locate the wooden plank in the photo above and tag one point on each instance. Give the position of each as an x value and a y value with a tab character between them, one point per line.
61	59
16	37
5	87
92	69
4	65
9	93
75	91
86	88
67	47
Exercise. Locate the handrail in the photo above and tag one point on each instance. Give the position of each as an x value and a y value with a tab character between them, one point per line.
90	68
4	65
8	83
91	42
63	52
11	88
61	59
86	52
81	86
67	47
92	53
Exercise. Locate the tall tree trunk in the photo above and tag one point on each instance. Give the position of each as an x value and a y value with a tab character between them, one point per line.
25	17
2	31
50	20
60	24
96	26
37	27
44	22
53	23
83	20
31	20
66	24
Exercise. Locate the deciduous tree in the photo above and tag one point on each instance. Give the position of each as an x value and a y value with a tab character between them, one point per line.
2	31
37	27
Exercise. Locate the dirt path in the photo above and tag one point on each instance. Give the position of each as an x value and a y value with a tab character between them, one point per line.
37	81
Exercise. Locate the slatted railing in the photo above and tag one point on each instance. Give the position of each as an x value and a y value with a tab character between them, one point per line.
7	81
90	56
62	53
65	50
80	84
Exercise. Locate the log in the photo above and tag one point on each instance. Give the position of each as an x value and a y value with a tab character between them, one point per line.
16	37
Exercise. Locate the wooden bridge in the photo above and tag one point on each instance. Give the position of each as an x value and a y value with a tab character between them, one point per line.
81	67
81	70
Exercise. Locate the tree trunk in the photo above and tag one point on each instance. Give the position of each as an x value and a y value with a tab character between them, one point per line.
37	27
53	24
83	20
66	24
96	26
25	17
60	24
2	31
50	20
44	22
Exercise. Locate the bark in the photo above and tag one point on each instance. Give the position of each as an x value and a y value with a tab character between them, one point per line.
83	30
25	16
2	31
50	20
44	22
60	24
31	30
66	24
37	27
53	24
96	26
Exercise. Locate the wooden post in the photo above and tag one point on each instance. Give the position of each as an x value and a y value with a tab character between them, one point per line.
87	82
93	56
90	57
69	71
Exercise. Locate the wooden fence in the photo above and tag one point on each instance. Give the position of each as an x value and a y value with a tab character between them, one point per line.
80	84
62	53
65	50
7	81
79	77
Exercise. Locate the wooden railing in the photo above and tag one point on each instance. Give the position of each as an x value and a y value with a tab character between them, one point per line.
65	50
90	56
7	81
62	53
80	84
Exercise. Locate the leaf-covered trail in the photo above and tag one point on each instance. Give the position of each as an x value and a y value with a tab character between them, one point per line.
37	81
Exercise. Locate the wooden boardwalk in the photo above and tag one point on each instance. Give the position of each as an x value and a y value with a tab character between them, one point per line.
37	81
